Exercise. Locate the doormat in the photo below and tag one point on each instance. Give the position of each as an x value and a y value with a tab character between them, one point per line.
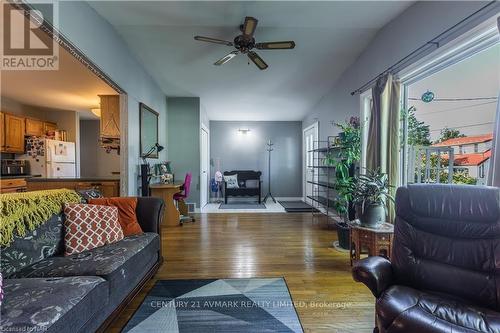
297	207
242	206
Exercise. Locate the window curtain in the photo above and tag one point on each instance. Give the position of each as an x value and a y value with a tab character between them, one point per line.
383	133
494	173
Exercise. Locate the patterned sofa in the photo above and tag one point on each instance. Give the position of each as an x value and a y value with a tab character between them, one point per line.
46	291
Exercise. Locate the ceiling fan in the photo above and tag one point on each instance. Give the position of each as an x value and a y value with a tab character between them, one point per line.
245	43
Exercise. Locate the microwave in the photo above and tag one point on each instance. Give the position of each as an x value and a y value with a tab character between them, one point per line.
15	167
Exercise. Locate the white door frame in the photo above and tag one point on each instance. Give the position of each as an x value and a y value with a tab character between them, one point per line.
205	129
314	125
124	158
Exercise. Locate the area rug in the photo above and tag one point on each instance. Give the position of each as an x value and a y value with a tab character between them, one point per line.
297	207
242	206
216	305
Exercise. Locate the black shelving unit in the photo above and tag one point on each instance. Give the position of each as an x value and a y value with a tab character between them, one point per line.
323	179
323	176
324	184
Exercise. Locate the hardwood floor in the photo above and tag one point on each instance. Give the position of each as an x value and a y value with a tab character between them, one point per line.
295	246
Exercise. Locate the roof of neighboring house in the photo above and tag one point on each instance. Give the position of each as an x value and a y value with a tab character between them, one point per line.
465	140
474	159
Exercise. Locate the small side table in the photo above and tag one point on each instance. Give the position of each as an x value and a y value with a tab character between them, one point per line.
378	242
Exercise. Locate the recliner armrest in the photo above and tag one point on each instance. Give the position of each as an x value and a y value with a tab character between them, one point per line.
375	272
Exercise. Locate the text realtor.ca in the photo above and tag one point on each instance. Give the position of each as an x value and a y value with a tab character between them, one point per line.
25	62
28	42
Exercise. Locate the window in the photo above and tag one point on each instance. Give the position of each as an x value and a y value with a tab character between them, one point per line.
481	171
450	103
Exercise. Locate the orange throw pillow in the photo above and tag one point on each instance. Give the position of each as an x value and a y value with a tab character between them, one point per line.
126	213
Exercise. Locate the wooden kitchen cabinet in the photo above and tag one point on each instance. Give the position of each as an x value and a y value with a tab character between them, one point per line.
13	129
110	116
12	185
49	126
34	127
14	134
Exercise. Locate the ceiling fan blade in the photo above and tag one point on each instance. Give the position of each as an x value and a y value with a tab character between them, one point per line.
226	58
213	40
249	26
257	60
285	45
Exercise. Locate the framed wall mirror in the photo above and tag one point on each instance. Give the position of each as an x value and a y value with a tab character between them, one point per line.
148	131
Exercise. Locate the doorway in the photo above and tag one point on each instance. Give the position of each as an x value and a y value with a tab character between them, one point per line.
204	165
310	139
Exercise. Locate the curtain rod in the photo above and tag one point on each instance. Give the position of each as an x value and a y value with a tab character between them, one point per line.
435	42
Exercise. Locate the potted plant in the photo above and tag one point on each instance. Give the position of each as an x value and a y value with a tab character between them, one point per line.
371	192
344	158
344	188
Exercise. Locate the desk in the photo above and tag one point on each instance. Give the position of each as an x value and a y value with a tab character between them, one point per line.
166	192
378	241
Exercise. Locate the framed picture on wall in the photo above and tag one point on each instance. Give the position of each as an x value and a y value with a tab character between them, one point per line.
148	131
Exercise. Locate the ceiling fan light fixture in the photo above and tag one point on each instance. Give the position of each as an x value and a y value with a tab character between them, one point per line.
245	43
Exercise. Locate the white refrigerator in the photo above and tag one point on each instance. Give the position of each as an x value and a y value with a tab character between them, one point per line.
51	158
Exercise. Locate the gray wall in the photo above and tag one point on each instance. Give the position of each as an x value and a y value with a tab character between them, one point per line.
238	151
95	161
418	24
183	141
99	41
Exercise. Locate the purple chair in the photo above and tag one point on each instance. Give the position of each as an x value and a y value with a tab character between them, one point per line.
181	197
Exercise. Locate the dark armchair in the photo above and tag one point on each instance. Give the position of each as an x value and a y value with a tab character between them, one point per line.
445	270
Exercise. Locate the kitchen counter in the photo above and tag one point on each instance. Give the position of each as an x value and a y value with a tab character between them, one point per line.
20	177
81	179
108	186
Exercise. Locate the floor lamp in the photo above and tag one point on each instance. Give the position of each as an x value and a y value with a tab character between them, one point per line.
269	150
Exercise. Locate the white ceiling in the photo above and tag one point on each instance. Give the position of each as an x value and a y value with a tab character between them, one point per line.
71	87
329	37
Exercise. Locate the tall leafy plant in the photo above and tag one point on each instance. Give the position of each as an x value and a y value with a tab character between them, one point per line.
347	153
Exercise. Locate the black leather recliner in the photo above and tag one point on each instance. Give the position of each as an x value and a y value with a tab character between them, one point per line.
444	275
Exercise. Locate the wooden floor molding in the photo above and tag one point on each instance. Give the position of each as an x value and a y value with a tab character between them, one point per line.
295	246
